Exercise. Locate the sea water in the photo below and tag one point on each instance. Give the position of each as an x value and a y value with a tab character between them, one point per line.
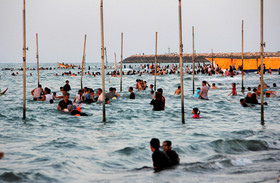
227	144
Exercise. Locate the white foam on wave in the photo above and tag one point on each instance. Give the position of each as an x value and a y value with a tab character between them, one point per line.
274	145
241	161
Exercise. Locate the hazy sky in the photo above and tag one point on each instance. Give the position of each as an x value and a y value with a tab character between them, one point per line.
62	24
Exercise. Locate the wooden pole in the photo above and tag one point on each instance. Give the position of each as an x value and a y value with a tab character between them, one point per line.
106	63
37	56
242	55
155	83
212	58
121	61
24	62
83	61
181	64
115	62
193	56
262	69
102	60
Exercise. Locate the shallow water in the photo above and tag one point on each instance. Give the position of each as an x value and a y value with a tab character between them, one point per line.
228	144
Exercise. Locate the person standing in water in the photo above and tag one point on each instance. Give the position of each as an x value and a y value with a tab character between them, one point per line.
160	159
67	87
62	105
178	91
173	156
132	94
204	90
233	92
36	92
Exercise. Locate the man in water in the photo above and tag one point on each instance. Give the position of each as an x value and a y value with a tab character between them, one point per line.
36	92
204	90
160	159
62	105
178	91
214	86
163	98
111	94
173	156
67	87
132	94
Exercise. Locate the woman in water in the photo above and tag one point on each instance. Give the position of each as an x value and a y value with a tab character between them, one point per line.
157	102
196	113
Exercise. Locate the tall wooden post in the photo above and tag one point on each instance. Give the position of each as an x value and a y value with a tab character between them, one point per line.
242	55
24	62
115	62
102	60
83	61
37	56
181	63
155	83
121	61
193	56
262	69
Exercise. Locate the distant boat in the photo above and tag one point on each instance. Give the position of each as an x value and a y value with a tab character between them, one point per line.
249	65
68	66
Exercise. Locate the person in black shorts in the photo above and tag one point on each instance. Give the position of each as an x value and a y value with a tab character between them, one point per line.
160	159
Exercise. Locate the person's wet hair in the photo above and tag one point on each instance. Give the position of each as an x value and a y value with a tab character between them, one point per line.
168	142
155	143
160	90
196	111
204	82
242	100
131	88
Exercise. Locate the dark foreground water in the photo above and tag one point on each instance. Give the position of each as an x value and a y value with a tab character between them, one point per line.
228	144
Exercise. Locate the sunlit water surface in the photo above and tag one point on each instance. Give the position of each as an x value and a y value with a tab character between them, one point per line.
228	144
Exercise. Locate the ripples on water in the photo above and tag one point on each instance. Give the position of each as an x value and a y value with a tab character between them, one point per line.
228	144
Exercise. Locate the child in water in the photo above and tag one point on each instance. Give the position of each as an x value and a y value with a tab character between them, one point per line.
233	92
196	113
196	94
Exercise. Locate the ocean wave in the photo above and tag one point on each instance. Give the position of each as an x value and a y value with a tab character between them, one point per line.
238	145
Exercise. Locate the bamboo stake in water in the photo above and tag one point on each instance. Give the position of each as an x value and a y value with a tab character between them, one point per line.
193	56
24	62
115	61
83	61
181	64
121	61
155	83
37	56
262	69
102	60
242	55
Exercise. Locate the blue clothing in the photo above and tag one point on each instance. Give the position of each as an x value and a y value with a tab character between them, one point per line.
196	94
